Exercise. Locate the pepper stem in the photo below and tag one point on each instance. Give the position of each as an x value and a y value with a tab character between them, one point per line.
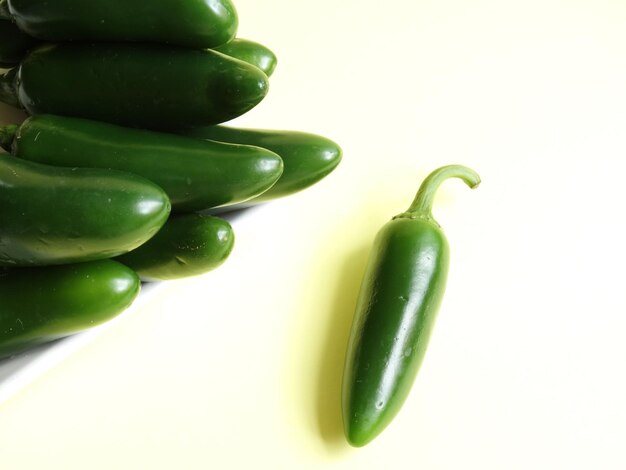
7	134
8	92
422	205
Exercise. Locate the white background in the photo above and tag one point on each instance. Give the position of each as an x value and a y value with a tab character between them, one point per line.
241	368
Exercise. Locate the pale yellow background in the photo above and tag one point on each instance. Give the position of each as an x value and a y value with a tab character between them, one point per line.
241	368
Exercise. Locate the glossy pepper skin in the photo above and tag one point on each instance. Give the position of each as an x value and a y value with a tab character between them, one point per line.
14	44
251	52
307	158
38	305
190	23
53	215
137	85
187	245
399	298
196	174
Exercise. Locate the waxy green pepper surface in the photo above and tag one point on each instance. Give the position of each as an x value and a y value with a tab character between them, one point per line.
187	245
41	304
401	292
191	23
307	158
196	174
136	85
57	215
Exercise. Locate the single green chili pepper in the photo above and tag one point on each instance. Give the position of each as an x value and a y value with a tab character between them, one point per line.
14	44
401	292
250	52
307	158
137	85
56	215
187	245
38	305
196	174
190	23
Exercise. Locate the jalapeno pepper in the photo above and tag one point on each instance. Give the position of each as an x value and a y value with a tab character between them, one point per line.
136	85
38	305
14	44
54	215
196	174
187	245
250	52
191	23
401	292
307	158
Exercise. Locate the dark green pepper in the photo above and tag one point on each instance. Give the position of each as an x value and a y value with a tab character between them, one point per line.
14	44
307	158
196	174
137	85
250	52
191	23
38	305
187	245
54	215
401	292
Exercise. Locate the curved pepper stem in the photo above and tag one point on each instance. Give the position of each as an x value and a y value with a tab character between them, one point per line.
8	91
7	135
422	205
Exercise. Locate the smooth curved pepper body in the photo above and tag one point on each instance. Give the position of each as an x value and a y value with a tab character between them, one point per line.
251	52
14	44
53	215
187	245
399	298
395	313
196	174
307	158
138	85
38	305
191	23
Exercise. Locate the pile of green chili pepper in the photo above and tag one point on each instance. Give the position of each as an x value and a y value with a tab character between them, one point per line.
118	173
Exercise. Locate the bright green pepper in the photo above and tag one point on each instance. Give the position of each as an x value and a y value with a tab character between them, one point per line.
56	215
187	245
137	85
14	44
38	305
196	174
250	52
191	23
307	158
401	292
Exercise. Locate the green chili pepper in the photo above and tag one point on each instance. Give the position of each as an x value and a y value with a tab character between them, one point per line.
56	215
191	23
401	292
250	52
14	44
307	158
187	245
38	305
196	174
136	85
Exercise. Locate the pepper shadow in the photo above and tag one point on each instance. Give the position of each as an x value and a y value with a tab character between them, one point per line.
11	115
330	373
